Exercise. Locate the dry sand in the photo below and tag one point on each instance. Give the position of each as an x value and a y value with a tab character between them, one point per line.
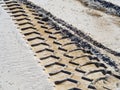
117	2
19	69
100	26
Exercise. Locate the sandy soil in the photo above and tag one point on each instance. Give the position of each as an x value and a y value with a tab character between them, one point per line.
117	2
100	26
19	69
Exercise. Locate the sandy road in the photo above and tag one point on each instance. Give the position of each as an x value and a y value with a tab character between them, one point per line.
69	66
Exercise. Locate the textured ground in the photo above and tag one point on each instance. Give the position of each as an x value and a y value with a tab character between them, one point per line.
19	69
100	26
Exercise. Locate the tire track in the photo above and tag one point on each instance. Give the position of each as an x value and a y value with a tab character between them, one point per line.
69	65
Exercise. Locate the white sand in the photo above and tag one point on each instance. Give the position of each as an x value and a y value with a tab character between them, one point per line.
19	69
117	2
100	26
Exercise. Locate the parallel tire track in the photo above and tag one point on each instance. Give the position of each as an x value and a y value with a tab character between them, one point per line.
69	66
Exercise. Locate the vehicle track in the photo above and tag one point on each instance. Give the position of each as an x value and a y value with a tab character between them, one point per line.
69	66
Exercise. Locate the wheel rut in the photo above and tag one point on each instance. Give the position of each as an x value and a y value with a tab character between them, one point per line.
69	65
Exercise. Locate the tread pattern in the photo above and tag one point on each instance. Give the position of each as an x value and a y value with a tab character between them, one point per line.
69	66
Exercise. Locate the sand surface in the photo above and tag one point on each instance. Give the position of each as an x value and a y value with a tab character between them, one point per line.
19	69
100	26
117	2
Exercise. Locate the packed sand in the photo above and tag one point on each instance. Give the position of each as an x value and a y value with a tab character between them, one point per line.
100	26
19	69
